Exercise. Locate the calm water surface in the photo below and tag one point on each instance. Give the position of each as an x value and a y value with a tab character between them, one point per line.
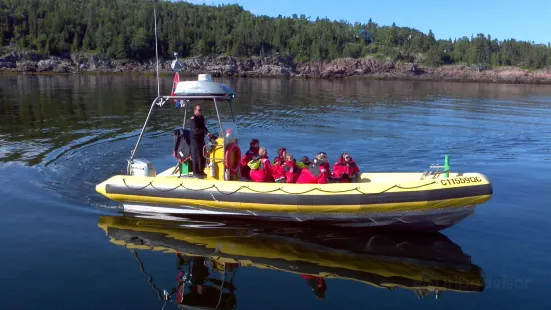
65	247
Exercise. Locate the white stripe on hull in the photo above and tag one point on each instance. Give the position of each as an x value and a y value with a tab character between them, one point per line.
169	210
422	220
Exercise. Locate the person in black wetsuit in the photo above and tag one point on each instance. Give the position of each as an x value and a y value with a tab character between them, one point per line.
198	131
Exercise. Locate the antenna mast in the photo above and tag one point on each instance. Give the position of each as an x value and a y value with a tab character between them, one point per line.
157	54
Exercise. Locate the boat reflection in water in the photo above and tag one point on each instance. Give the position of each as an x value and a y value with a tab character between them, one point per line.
209	254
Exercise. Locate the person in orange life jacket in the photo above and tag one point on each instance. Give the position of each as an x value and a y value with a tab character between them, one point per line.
316	172
292	172
277	168
251	153
345	169
197	141
264	172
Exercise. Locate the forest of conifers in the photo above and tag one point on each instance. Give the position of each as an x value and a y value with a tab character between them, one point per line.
125	29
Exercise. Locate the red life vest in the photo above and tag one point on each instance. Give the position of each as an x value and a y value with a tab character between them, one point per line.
277	169
292	172
313	174
245	169
263	173
342	168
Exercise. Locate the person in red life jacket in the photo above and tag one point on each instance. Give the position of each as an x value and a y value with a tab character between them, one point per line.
279	162
325	163
345	169
280	156
292	172
251	153
264	171
318	285
316	172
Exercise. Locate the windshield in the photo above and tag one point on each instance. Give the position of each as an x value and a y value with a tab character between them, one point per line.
212	122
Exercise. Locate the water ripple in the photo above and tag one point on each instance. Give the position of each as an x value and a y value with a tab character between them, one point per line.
413	126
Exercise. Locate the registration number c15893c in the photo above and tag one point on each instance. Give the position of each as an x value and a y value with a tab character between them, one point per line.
458	181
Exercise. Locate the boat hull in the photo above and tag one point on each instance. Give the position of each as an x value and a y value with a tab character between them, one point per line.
407	203
434	220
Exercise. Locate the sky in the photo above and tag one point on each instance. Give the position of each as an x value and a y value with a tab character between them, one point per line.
527	20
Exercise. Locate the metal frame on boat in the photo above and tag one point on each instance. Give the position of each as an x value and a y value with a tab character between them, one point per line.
203	94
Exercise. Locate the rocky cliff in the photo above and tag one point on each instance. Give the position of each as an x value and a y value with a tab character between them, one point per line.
273	67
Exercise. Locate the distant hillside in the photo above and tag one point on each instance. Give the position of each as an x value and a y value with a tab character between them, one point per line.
123	29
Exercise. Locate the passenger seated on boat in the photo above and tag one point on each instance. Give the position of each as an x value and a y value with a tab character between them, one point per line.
304	162
277	168
325	163
253	151
281	152
292	172
345	169
264	171
315	172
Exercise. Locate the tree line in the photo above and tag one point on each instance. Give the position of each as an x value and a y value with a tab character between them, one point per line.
124	29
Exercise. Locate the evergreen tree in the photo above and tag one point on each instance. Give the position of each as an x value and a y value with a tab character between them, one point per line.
140	44
76	43
121	50
124	29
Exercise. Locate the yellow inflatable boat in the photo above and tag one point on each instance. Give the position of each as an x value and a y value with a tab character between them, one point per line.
403	200
421	262
431	200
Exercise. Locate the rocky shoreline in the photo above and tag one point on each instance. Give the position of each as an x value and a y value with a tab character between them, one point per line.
275	67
